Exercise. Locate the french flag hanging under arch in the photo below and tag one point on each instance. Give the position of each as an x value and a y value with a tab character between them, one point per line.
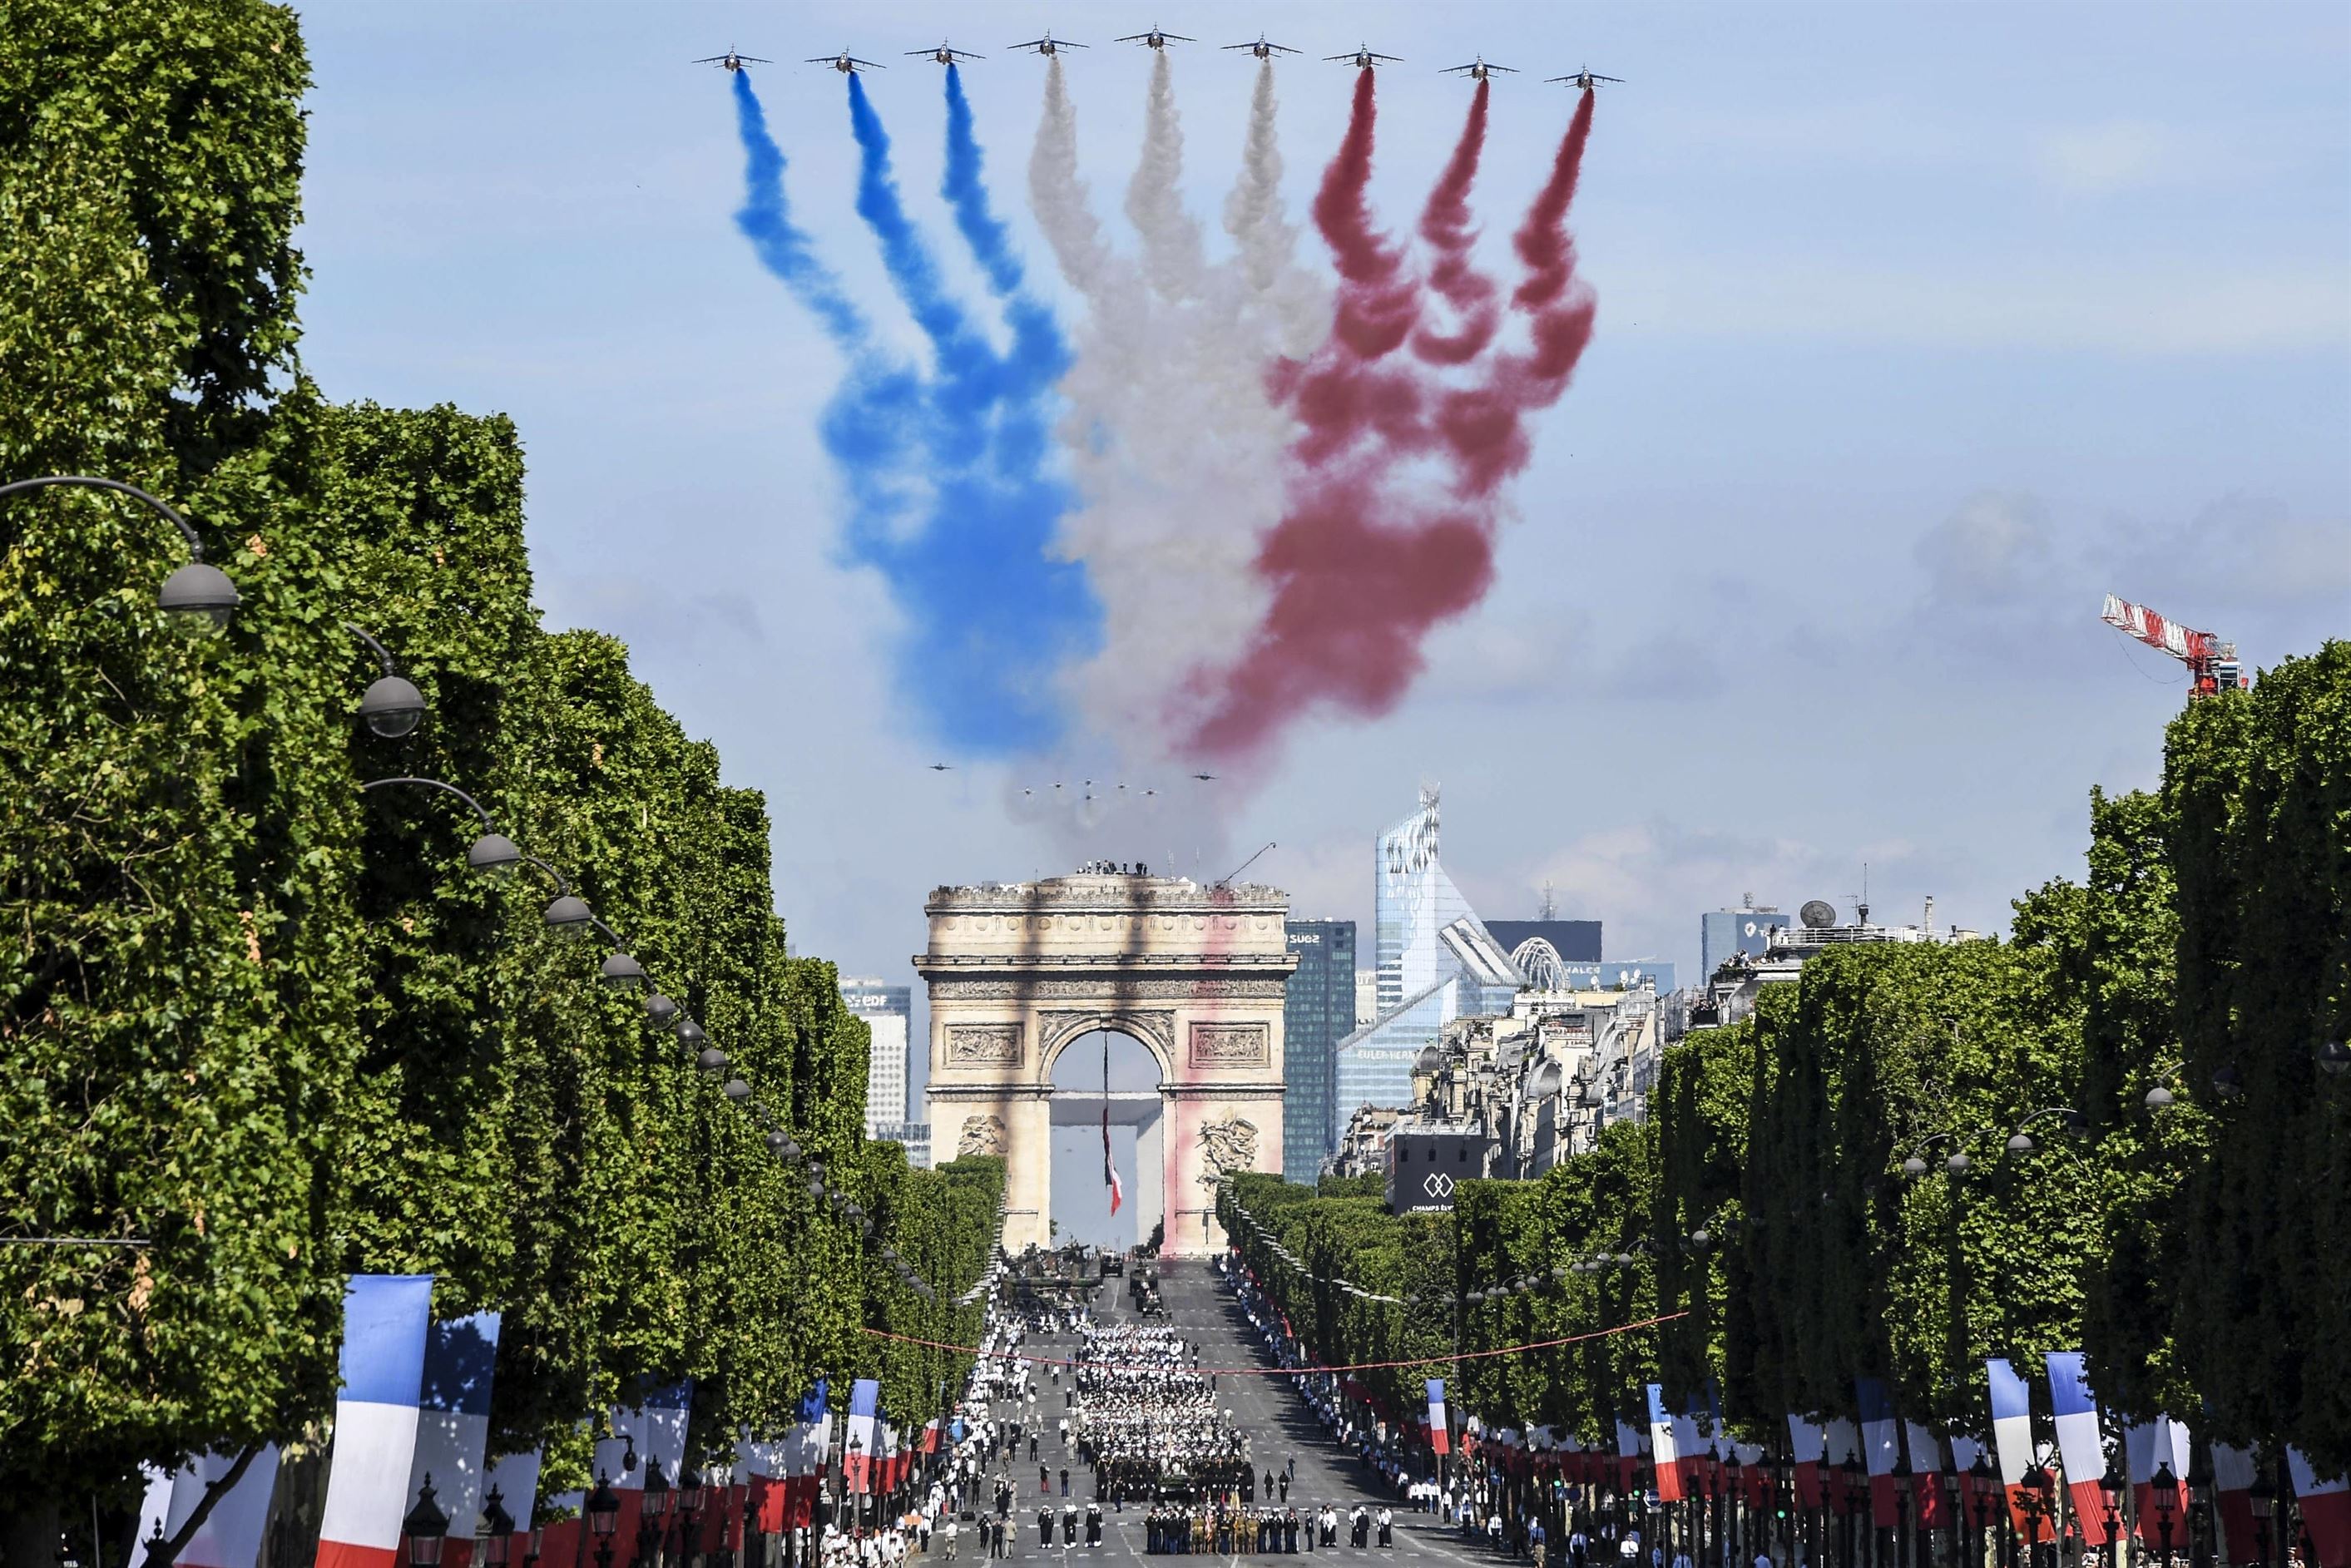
385	1317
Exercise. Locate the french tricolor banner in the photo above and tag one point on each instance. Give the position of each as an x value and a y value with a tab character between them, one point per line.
807	1470
1965	1452
385	1317
452	1426
1665	1445
857	1452
230	1536
2011	1433
2325	1510
1926	1451
1440	1431
2148	1445
1630	1444
657	1428
2232	1490
2078	1444
1881	1445
1843	1443
1807	1443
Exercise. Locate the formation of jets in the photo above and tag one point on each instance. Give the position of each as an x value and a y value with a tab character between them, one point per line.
1362	57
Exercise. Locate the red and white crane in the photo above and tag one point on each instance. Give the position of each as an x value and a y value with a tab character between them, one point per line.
2212	663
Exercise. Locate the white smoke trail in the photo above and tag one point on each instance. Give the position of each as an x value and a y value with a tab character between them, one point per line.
1300	302
1177	450
1171	255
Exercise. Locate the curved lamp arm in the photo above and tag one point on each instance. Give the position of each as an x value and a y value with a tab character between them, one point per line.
563	883
382	655
487	826
92	482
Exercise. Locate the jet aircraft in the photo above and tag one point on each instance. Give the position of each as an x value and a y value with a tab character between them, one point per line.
1263	49
1154	39
942	767
843	62
1478	70
1048	45
1204	777
946	55
1587	80
732	61
1363	59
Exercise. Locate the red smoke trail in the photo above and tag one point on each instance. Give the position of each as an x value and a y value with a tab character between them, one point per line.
1377	303
1445	225
1485	426
1361	571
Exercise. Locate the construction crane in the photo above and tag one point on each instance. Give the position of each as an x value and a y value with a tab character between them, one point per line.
2212	663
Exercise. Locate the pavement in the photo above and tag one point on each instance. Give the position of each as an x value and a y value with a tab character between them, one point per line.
1279	1424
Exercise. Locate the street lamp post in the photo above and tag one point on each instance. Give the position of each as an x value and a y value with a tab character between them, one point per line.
392	706
497	1527
653	1525
689	1515
2039	1501
2166	1500
427	1527
2110	1495
603	1509
2264	1497
199	596
1857	1492
1902	1479
2199	1506
1979	1485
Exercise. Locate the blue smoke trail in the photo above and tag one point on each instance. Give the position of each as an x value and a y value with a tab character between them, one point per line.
967	191
950	496
765	221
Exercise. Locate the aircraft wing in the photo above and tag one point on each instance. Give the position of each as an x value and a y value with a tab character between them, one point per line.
869	64
1512	69
709	61
1179	37
751	60
1392	60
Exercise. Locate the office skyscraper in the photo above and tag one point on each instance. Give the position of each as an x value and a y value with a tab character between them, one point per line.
1436	962
886	1010
1318	1011
1746	929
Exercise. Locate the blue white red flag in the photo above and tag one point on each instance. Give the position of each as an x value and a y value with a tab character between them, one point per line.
857	1453
384	1322
452	1426
2078	1444
1440	1431
2325	1503
1881	1443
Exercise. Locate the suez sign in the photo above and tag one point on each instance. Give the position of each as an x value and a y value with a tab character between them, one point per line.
1306	938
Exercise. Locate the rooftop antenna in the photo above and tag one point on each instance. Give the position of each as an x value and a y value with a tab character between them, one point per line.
1226	879
1861	899
1550	910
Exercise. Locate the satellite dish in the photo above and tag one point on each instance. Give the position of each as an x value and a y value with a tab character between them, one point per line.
1818	913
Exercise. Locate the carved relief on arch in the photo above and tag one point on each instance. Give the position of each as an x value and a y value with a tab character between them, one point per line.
1230	1044
982	1136
984	1042
1059	1026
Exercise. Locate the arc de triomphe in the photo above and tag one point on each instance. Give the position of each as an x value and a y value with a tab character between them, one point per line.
1018	971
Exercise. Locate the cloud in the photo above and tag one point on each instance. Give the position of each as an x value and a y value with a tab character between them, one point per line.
2143	306
649	615
1993	552
2241	549
2116	155
1649	880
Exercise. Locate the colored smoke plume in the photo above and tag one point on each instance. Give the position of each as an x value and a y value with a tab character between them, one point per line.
1445	226
946	467
1175	447
1369	556
965	187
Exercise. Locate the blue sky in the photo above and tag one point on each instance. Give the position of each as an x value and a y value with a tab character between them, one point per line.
1921	326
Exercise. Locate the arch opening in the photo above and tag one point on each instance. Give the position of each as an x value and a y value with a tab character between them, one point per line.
1081	1207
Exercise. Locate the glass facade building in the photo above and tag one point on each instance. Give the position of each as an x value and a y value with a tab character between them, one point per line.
1318	1011
1414	900
1722	931
887	1010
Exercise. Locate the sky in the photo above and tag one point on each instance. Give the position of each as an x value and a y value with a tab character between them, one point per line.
1920	328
